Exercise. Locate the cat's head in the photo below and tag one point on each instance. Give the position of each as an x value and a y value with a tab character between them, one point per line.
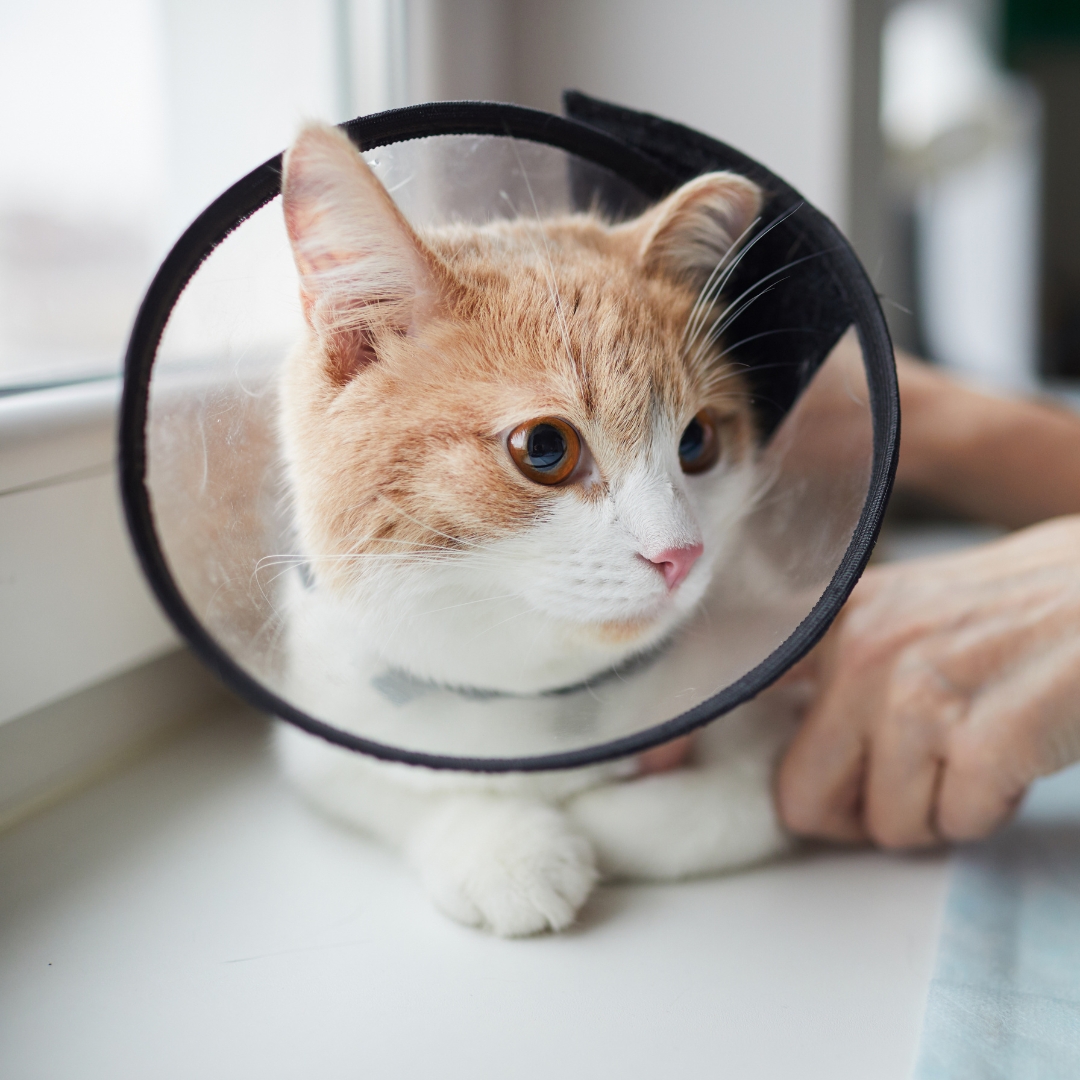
513	448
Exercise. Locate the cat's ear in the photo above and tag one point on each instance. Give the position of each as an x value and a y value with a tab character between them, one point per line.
687	234
364	273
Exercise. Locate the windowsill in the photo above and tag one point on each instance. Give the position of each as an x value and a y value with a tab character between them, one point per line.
192	918
76	608
53	752
52	433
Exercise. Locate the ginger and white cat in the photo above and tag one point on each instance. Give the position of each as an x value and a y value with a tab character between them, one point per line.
516	460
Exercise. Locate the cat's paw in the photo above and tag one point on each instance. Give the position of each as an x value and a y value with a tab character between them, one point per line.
683	823
511	866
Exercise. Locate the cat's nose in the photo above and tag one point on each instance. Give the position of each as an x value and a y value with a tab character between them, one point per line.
676	563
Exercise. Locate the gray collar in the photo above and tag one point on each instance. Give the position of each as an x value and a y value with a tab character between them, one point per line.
399	687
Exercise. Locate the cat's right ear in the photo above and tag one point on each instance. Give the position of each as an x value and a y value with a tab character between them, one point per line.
693	229
364	273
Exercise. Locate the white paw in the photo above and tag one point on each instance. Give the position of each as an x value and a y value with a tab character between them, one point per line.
511	866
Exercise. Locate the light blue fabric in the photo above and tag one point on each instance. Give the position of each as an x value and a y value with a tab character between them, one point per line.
1005	998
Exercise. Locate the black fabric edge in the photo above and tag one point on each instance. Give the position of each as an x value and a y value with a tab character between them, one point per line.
688	153
650	134
655	178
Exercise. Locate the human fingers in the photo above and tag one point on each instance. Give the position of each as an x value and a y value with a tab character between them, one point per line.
906	743
1022	726
821	777
819	784
922	741
820	780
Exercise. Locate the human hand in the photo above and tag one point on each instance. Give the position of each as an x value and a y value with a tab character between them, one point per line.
943	689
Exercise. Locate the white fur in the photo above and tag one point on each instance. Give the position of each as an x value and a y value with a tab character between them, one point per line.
520	853
518	615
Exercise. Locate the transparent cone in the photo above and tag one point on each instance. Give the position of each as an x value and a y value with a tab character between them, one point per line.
222	507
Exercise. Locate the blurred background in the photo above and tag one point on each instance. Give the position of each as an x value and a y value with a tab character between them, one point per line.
941	135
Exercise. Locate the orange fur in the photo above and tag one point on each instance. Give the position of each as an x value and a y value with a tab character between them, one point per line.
435	557
511	320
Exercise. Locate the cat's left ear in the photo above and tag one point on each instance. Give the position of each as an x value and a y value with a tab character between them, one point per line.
687	234
364	273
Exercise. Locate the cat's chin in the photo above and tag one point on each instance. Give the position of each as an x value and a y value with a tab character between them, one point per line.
632	636
517	648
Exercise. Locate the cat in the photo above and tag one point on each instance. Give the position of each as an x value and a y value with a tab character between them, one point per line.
516	460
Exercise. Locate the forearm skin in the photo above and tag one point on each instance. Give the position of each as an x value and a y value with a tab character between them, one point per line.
1010	461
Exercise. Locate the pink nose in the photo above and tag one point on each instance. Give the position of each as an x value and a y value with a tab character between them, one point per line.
675	563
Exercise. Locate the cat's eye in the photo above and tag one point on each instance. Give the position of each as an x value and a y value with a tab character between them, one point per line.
699	446
546	450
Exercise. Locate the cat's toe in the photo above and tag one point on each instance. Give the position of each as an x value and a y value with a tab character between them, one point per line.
512	867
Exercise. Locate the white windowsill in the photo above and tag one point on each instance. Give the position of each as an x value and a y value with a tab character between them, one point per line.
91	673
76	609
192	918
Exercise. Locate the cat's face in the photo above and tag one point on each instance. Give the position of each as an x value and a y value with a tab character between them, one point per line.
505	450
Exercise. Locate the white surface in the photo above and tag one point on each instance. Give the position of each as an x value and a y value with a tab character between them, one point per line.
47	435
192	919
900	541
75	606
50	753
769	77
977	244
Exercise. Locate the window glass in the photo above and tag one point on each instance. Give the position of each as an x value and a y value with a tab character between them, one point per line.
80	181
122	119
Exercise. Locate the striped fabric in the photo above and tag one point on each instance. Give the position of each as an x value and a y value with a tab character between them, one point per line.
1005	998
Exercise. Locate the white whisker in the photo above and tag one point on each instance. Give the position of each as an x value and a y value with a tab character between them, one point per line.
704	298
722	282
727	317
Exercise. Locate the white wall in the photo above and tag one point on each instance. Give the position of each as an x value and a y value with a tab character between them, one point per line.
460	50
768	76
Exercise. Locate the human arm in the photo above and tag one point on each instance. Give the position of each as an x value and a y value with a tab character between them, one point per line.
946	685
1007	460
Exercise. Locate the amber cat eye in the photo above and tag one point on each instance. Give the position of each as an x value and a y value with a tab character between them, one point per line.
699	447
546	450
